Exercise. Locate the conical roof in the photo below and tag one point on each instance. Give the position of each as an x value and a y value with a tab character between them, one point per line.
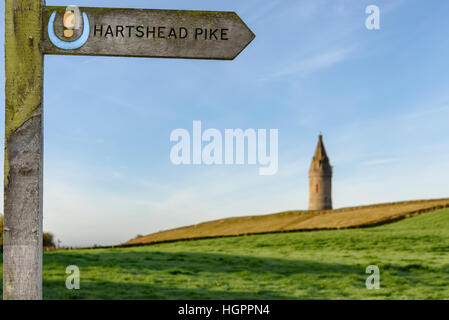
320	161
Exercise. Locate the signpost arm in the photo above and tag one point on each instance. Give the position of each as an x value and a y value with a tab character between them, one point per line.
22	247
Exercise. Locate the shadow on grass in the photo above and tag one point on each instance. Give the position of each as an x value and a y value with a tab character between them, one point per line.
117	274
194	262
163	275
106	290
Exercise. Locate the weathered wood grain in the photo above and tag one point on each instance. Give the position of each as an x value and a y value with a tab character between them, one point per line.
154	33
22	243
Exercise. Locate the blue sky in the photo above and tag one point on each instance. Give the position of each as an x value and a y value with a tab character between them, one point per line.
380	98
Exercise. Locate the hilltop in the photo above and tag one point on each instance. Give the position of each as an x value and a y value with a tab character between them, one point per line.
291	221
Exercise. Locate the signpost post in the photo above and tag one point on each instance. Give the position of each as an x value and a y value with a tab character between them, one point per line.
32	30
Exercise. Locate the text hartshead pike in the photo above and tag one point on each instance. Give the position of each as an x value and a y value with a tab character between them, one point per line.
160	32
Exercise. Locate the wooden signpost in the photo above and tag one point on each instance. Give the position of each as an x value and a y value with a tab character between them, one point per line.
32	30
150	33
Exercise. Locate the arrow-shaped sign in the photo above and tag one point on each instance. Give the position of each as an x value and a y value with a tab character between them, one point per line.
144	33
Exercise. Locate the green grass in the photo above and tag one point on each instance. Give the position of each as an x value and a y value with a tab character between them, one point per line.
413	257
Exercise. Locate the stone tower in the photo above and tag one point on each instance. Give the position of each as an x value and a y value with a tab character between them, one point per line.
320	179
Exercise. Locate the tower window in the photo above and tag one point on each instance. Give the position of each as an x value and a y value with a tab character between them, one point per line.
317	188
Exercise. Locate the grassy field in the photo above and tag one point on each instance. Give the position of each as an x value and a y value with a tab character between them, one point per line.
298	221
412	254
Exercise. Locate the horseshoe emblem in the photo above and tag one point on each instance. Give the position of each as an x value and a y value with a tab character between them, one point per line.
68	45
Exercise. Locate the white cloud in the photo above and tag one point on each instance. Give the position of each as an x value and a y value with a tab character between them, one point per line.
312	64
425	112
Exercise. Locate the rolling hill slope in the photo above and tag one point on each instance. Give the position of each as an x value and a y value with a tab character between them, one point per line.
290	221
412	255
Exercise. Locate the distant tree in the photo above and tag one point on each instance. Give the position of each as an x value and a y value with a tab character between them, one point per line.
48	239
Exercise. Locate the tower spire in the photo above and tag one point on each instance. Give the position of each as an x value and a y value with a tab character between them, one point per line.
320	179
320	161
